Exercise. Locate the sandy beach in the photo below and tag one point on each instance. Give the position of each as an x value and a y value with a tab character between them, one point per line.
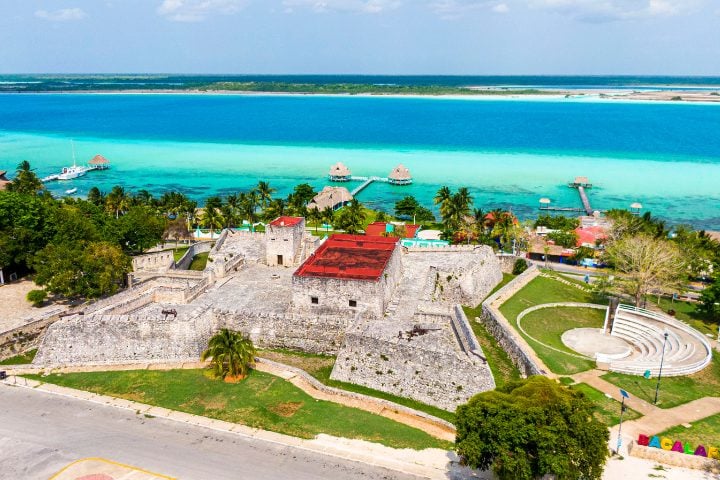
673	96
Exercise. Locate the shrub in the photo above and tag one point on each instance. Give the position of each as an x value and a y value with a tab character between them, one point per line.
519	266
36	297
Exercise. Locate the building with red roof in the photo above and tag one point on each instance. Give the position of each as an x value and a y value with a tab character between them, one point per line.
381	229
590	236
284	237
349	273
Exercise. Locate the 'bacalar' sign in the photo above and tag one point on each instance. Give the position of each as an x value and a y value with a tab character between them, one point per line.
667	444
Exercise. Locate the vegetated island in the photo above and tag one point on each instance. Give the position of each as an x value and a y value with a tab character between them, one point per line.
364	89
232	84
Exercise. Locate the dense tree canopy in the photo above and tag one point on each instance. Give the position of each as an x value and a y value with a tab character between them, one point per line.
526	429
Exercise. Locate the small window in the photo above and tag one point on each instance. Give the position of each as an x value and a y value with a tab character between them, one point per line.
314	300
353	303
285	240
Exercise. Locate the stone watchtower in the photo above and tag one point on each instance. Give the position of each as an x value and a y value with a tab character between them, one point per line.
284	237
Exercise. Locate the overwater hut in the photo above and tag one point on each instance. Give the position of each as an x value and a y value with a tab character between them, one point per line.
99	163
333	197
3	180
339	173
400	176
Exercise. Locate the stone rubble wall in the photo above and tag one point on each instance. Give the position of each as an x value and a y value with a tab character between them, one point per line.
154	262
444	379
124	338
467	286
499	327
322	333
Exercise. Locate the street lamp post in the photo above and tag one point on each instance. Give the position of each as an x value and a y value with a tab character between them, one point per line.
662	359
624	395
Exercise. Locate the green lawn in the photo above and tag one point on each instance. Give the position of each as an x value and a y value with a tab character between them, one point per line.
320	367
607	410
179	252
21	359
199	261
703	432
543	290
674	391
261	401
687	312
502	367
547	326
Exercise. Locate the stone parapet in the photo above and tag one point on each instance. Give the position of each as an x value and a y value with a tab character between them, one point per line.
507	337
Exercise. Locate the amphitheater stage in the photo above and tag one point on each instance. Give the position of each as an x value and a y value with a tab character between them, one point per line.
593	341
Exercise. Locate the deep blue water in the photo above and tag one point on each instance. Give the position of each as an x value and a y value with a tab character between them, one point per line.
653	130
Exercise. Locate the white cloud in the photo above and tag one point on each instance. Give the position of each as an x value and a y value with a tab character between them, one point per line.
352	6
198	10
609	10
501	8
62	15
452	9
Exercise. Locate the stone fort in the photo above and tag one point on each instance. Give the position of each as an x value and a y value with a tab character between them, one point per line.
391	315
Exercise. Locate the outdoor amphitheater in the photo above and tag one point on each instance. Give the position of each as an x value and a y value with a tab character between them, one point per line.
634	341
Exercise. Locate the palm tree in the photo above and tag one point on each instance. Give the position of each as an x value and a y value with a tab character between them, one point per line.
117	201
352	217
25	180
212	219
314	216
264	192
231	352
442	197
328	216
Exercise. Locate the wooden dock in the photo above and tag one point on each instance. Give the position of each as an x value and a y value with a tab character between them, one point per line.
366	182
581	183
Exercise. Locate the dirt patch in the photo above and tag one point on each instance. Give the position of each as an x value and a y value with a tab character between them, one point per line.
214	403
287	409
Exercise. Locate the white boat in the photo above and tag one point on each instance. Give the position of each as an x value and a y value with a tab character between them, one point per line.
68	173
71	191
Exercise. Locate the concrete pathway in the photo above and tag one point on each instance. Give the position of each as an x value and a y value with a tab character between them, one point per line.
654	419
429	463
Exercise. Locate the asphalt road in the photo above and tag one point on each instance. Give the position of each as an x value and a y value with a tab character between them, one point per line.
40	433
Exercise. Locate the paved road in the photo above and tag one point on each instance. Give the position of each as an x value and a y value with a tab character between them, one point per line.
41	433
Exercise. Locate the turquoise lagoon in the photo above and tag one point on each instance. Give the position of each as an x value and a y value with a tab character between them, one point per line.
509	152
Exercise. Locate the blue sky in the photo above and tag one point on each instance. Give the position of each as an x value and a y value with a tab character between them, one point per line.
680	37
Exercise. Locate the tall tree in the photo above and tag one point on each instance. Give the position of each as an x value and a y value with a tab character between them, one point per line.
25	180
351	217
531	428
646	264
264	192
230	353
117	201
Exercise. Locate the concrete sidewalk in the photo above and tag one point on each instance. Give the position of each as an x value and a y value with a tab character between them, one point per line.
654	419
429	463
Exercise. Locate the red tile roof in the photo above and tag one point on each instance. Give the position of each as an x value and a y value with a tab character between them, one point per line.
353	257
378	228
286	221
590	235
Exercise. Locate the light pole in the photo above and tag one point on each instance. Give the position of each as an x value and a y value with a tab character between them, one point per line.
662	359
624	395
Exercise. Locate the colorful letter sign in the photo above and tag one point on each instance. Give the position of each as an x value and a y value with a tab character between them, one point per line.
665	443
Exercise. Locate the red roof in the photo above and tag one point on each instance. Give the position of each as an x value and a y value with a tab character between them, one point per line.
356	257
378	229
286	221
589	235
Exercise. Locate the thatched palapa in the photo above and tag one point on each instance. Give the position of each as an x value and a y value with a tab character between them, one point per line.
333	197
3	180
339	173
400	176
100	162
